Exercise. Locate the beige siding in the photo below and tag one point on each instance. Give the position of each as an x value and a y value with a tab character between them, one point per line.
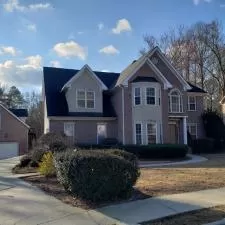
85	132
146	113
12	130
88	82
195	116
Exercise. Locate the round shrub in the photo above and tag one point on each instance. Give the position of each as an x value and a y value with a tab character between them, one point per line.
47	167
49	139
37	153
57	146
24	161
126	155
33	164
98	175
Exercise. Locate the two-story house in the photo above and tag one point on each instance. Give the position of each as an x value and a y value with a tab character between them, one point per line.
148	102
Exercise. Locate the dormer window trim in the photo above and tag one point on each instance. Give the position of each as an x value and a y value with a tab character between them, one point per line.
85	99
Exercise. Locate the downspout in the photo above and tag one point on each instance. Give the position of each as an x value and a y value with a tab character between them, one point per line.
123	114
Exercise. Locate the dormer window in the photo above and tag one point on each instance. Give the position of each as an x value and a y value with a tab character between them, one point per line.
85	99
175	102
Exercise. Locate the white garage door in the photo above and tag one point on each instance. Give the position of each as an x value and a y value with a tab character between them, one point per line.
8	149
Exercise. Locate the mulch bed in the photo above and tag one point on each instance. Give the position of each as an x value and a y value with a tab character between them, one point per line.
52	187
197	217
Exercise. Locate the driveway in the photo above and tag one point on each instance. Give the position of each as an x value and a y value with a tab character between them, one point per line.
23	204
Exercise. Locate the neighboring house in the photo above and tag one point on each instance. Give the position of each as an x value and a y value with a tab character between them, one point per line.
13	132
148	102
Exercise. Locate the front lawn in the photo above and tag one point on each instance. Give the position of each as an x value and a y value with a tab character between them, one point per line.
183	178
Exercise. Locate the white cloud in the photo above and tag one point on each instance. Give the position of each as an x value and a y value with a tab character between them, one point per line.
80	32
14	5
100	26
70	49
196	2
109	50
32	27
27	74
55	63
9	50
106	71
122	25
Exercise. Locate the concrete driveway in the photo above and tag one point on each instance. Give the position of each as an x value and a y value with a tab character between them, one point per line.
23	204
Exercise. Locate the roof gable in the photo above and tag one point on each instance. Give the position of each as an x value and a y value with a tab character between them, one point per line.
79	74
14	116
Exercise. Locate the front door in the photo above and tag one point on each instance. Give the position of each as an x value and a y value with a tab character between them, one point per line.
173	133
101	133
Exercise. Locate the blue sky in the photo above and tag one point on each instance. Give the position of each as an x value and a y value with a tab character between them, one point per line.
107	35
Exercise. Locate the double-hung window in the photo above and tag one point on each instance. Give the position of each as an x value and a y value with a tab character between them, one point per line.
192	129
137	96
150	96
138	133
192	103
151	133
85	99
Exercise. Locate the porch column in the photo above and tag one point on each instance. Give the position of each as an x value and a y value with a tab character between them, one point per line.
185	129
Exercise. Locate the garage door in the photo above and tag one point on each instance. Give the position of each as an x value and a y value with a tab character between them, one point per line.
8	149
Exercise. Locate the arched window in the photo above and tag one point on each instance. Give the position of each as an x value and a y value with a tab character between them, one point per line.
175	101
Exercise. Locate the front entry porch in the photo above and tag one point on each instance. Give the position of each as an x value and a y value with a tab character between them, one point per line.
177	130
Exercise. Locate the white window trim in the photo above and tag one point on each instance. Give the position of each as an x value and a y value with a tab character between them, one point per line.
181	107
135	138
156	132
150	96
196	127
85	98
135	96
70	123
195	103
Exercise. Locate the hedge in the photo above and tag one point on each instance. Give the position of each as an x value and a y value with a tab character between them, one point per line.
157	151
96	175
204	145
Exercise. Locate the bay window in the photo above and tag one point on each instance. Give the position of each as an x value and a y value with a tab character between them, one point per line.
151	133
137	96
138	133
150	96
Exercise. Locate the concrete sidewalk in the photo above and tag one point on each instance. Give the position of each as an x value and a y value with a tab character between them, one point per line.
155	208
24	204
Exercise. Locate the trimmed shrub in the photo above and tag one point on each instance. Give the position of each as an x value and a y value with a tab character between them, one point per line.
203	146
126	155
48	140
110	142
24	161
33	164
157	151
62	162
46	166
96	175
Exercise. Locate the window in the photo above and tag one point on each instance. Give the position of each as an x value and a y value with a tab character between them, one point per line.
137	96
151	133
191	103
90	99
85	99
192	129
69	129
81	99
138	133
175	102
150	96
